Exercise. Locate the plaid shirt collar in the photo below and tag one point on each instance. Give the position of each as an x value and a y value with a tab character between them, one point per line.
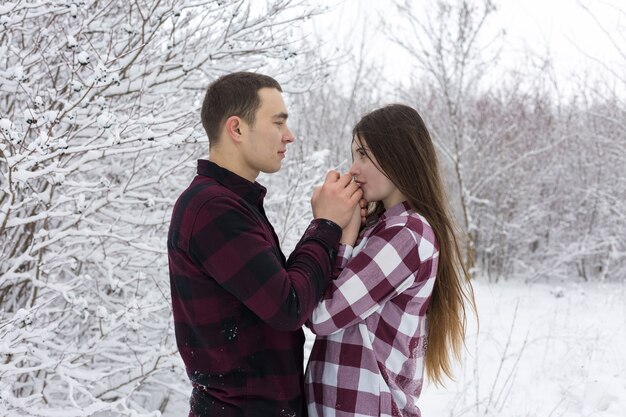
252	192
396	210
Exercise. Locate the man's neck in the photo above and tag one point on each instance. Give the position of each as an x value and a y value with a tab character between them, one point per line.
233	164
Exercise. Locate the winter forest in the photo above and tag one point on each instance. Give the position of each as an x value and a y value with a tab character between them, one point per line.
100	132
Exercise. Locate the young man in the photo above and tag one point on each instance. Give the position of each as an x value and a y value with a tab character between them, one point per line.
238	304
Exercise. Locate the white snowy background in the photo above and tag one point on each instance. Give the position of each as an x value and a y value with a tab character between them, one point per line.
100	131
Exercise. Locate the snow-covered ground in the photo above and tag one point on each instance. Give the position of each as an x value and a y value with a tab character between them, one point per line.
541	351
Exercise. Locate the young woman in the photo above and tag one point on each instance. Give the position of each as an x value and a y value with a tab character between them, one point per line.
396	305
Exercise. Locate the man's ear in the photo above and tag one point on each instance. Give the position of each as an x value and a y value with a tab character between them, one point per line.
233	128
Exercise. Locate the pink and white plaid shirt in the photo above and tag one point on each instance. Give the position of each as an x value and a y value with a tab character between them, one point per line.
368	357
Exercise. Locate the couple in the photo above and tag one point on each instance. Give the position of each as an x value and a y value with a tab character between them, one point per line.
383	288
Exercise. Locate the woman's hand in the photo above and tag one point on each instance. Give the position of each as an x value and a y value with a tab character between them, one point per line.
363	204
351	231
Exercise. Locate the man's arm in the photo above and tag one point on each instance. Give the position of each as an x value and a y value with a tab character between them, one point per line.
229	244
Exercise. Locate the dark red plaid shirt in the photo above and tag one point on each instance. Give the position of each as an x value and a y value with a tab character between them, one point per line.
238	304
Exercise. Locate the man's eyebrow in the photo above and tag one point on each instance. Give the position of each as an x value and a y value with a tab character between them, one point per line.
283	116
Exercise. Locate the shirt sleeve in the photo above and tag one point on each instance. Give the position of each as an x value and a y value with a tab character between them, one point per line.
386	266
343	255
230	245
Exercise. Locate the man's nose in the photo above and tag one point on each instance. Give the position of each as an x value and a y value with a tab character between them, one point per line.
289	136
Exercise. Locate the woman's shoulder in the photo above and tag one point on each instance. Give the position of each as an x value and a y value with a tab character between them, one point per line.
405	217
409	224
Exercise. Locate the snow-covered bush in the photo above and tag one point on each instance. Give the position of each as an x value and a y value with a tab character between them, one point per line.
99	132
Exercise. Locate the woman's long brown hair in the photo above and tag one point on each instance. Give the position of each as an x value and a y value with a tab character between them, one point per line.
401	145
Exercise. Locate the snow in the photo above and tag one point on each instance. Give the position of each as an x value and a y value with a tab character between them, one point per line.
105	120
83	58
71	42
5	126
542	350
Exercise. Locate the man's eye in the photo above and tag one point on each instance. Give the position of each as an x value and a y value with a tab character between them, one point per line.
279	123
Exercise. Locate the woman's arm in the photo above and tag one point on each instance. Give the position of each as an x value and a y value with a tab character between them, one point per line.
385	267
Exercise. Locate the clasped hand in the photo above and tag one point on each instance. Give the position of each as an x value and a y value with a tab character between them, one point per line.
339	199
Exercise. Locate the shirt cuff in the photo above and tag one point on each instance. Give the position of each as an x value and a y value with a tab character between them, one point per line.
343	255
327	232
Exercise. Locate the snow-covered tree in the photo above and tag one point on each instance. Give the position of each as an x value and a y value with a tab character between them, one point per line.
533	174
99	132
446	47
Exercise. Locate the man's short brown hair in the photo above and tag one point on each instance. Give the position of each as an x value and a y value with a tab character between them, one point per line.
233	94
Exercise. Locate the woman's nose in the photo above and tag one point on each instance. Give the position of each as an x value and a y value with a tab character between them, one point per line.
354	171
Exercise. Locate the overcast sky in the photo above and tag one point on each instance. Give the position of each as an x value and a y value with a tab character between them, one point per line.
577	33
578	40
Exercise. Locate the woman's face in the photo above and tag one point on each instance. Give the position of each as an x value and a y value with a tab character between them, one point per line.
375	185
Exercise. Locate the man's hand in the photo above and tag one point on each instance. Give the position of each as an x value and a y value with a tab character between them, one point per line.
336	199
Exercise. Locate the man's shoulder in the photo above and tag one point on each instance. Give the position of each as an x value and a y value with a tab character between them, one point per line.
204	201
203	190
204	198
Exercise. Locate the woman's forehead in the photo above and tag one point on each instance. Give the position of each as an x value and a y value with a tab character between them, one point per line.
358	142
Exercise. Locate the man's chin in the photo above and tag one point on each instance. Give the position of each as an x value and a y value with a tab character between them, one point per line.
271	170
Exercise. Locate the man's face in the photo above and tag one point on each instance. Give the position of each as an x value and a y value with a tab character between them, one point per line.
266	142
